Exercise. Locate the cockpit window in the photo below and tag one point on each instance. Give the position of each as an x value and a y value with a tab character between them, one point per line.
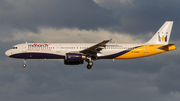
14	47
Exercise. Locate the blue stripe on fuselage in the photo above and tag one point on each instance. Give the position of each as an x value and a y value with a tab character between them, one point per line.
37	56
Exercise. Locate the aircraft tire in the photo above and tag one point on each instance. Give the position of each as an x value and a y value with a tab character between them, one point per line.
90	63
24	65
89	66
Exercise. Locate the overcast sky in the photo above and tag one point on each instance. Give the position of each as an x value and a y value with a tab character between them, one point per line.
154	78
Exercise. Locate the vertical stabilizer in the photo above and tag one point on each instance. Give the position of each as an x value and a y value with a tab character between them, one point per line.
163	34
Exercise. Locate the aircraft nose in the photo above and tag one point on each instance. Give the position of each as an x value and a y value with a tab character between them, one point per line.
7	53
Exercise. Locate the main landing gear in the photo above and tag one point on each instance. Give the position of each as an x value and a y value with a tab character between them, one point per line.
24	65
90	63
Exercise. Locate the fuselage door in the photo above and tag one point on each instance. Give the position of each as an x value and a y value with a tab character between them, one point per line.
24	48
58	48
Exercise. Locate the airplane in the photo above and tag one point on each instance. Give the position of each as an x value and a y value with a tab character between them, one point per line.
77	53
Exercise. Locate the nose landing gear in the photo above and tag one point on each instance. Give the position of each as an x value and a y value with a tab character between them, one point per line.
24	65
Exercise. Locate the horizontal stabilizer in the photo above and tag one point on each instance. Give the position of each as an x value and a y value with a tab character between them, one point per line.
165	47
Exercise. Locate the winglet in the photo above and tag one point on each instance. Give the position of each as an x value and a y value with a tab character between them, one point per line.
110	40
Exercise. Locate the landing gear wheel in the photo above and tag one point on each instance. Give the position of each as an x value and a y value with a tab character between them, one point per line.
24	65
90	64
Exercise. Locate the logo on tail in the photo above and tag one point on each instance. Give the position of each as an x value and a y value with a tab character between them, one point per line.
163	37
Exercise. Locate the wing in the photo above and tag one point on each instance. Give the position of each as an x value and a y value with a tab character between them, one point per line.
93	50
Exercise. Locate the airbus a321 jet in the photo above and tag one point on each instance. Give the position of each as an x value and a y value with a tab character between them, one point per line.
77	53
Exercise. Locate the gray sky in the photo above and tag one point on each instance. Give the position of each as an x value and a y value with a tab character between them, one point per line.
154	78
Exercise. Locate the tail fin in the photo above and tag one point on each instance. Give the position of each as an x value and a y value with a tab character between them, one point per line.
163	34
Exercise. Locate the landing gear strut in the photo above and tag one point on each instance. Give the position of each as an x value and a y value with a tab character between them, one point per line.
90	63
24	65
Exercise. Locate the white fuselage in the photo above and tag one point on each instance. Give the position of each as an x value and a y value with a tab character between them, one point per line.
60	49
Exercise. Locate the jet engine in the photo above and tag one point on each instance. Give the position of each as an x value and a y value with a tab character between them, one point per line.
73	59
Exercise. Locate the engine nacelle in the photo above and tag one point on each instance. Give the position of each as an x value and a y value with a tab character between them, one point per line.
74	57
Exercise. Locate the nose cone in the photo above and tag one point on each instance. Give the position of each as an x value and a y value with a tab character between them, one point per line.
7	53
